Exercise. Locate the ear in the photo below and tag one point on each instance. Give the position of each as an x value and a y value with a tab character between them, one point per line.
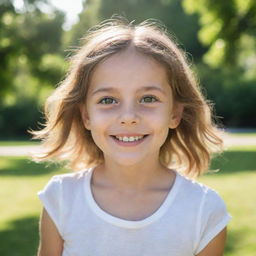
176	115
85	117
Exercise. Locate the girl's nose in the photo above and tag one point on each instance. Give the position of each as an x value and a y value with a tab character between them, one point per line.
129	115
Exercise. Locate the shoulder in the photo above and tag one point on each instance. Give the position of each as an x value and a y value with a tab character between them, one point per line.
207	208
194	187
207	196
65	182
69	178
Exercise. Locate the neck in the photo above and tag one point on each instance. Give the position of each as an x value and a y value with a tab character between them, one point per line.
133	178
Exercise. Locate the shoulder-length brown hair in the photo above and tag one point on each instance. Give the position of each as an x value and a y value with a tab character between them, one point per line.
188	148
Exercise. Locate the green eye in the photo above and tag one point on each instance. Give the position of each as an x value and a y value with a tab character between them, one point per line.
149	99
107	101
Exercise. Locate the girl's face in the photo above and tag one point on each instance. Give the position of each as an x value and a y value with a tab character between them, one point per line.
129	108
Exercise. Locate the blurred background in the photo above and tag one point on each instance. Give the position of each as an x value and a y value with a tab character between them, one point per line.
37	35
36	39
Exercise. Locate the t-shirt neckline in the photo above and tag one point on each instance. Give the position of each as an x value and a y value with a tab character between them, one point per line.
130	223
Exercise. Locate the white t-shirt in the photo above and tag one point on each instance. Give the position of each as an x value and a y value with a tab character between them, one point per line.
189	218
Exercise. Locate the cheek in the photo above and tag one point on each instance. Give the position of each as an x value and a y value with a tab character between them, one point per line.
160	117
99	117
99	124
160	121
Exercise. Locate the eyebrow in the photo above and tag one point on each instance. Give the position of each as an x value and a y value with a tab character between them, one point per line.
144	88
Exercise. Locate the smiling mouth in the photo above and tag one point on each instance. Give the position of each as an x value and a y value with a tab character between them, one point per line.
132	139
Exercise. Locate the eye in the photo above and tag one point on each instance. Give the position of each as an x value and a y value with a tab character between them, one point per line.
107	101
149	99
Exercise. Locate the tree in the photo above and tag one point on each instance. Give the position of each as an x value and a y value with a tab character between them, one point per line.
87	18
31	62
170	12
228	28
182	26
29	40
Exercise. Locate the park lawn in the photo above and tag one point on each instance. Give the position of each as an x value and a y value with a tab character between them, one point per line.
20	179
238	192
243	134
19	143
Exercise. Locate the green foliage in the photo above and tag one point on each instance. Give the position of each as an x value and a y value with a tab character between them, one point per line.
170	12
183	27
233	95
31	62
23	113
33	47
25	37
87	18
224	24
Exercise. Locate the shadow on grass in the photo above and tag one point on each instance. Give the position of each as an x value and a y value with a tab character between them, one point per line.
235	161
20	238
22	166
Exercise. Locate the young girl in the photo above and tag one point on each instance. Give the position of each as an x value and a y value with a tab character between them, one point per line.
131	120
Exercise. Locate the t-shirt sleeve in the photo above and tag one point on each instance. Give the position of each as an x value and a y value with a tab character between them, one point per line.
213	218
51	198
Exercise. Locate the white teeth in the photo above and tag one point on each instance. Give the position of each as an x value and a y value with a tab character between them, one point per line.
127	138
133	138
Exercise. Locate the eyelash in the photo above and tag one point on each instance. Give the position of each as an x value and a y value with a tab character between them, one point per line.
148	96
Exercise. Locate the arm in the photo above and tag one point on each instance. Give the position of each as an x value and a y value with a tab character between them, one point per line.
216	245
51	243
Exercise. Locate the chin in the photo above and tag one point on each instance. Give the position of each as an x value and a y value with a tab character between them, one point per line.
128	161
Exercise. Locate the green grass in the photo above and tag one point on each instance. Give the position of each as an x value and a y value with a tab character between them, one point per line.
20	179
19	143
243	148
249	134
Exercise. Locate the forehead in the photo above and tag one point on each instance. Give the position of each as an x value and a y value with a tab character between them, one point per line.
129	69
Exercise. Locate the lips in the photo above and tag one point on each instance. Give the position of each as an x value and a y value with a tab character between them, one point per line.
129	140
128	134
